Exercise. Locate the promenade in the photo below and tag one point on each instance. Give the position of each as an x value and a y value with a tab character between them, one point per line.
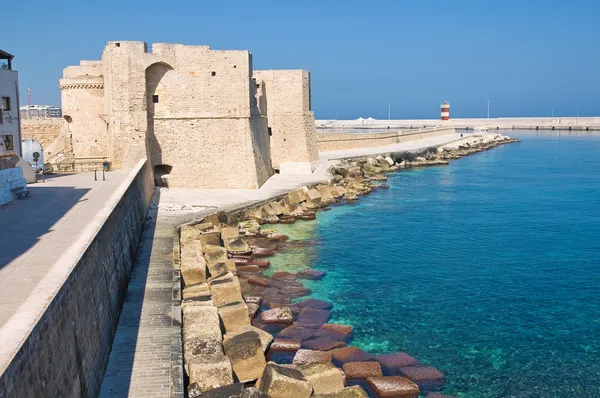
143	360
35	232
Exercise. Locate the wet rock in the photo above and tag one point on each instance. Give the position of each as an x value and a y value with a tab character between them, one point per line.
234	316
194	390
284	382
307	216
428	378
348	392
392	364
246	355
233	390
288	221
297	332
201	323
225	290
323	344
335	331
240	256
313	318
210	373
251	269
240	261
362	370
311	274
324	377
315	304
393	386
259	280
286	345
283	274
304	357
262	252
350	354
281	315
260	263
438	395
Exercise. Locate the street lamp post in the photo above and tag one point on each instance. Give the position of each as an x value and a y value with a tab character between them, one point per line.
488	108
390	111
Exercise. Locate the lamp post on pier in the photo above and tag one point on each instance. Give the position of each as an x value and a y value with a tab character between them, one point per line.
488	108
390	111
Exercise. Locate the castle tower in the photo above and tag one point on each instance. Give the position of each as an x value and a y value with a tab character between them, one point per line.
284	97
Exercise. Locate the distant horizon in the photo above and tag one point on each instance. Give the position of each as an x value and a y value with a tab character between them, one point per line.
525	57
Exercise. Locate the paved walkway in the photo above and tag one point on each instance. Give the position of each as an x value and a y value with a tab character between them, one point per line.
36	231
142	353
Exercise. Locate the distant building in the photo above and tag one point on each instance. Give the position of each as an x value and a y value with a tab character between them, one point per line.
10	128
40	112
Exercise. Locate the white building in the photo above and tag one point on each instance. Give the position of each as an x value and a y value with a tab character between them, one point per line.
40	112
12	166
10	127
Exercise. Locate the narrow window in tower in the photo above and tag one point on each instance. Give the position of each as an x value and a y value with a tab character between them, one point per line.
214	73
155	99
270	132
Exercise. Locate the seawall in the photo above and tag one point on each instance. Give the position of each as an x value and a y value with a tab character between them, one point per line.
346	140
59	344
527	123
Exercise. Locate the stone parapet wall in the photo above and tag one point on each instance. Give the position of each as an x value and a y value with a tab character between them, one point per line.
340	141
60	340
10	179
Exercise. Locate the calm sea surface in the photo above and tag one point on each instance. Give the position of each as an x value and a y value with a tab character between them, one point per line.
488	268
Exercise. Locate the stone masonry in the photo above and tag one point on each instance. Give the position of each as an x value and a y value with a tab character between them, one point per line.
194	112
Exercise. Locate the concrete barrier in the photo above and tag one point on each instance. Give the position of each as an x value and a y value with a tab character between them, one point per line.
340	141
59	343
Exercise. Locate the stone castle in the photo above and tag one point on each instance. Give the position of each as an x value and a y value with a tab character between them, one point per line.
204	118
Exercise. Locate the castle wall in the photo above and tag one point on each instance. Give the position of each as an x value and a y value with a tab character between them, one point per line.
286	96
186	104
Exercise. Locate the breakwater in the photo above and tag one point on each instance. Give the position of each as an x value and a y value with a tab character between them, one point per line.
59	343
235	317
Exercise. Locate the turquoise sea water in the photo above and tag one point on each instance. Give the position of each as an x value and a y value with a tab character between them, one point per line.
488	268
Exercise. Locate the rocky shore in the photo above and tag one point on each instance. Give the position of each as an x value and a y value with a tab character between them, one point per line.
249	335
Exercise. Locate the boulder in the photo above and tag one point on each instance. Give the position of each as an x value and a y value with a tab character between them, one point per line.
428	378
262	252
232	390
438	395
187	233
193	268
297	333
195	347
314	196
252	392
323	344
265	338
335	331
238	246
225	290
260	263
210	373
252	309
286	345
313	318
304	357
282	315
250	269
391	364
284	382
315	304
210	238
259	280
229	233
194	391
215	254
362	370
310	274
234	316
217	270
200	301
350	354
324	377
246	355
198	290
393	386
283	274
348	392
277	207
389	161
253	299
297	196
201	323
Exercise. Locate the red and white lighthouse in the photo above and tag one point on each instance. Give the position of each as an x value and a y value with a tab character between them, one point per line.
445	111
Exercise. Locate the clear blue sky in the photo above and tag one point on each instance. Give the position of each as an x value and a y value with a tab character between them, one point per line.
526	56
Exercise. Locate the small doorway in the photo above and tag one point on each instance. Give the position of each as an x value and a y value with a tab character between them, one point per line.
161	170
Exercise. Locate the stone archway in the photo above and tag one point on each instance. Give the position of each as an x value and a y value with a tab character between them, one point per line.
157	105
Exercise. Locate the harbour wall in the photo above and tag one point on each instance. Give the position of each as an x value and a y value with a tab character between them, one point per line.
346	140
59	343
531	123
